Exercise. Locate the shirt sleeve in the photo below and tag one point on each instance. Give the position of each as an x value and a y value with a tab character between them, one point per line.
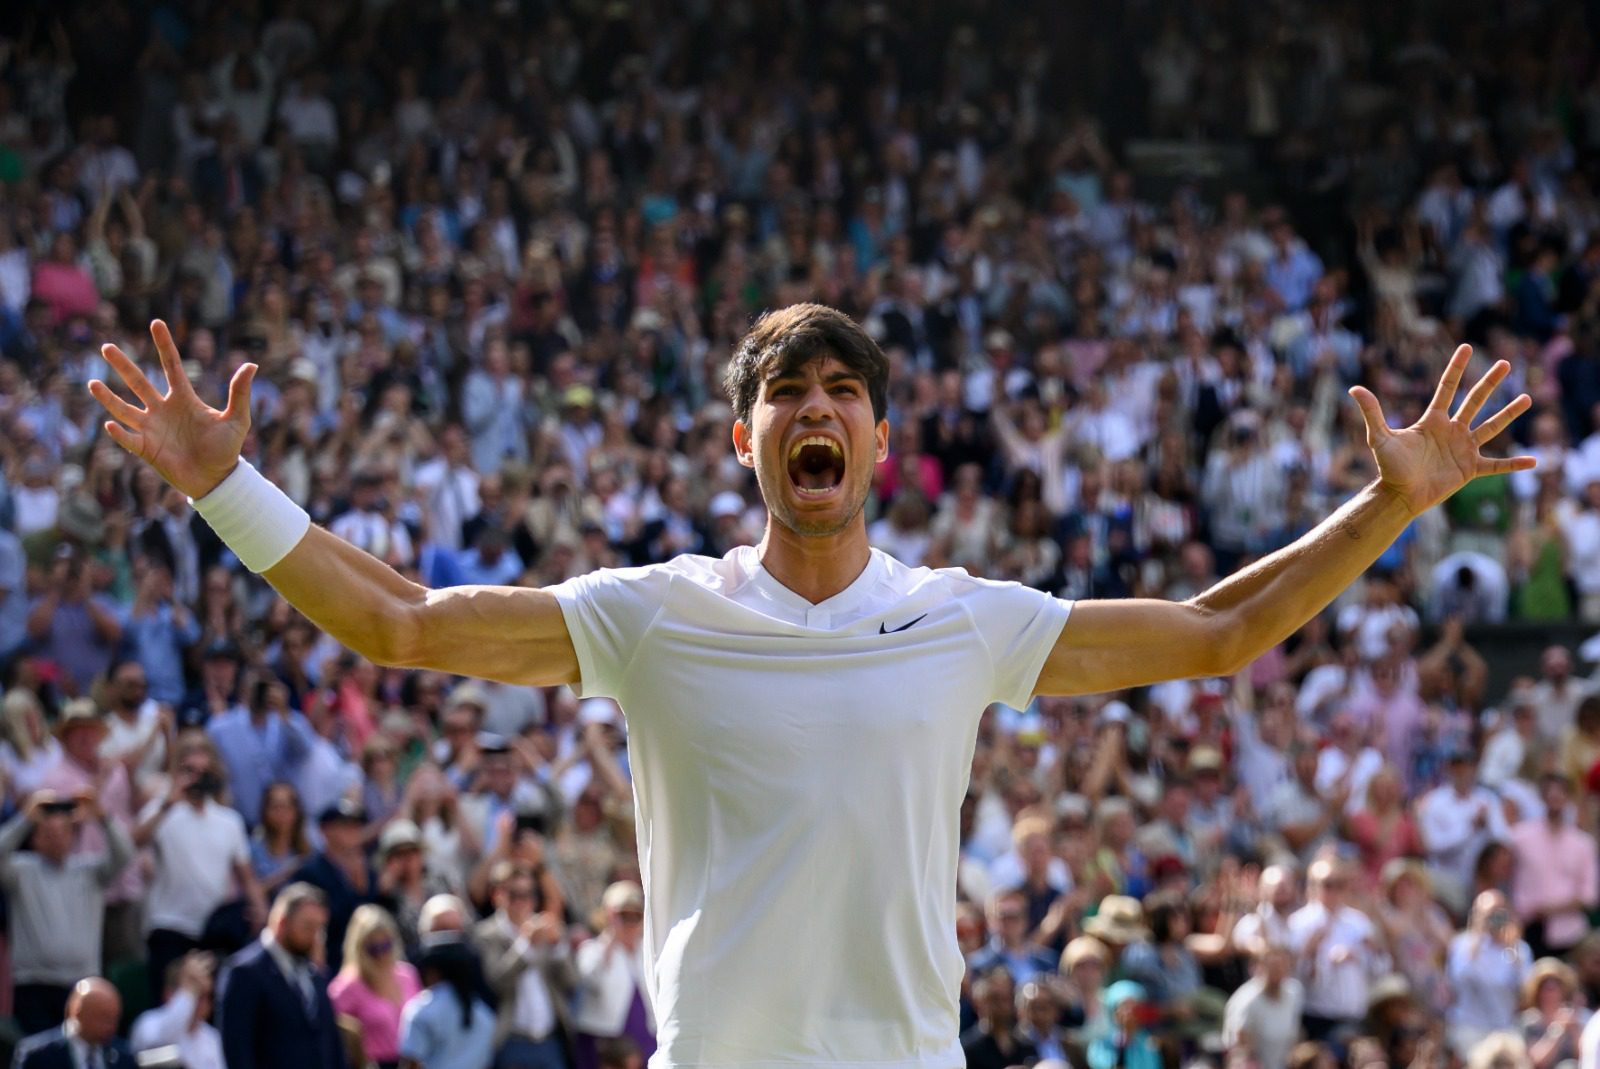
607	613
1019	625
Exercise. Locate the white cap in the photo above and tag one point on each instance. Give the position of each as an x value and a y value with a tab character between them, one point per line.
1115	712
726	503
598	711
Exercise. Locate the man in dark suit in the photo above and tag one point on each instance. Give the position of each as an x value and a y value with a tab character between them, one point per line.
88	1037
272	1007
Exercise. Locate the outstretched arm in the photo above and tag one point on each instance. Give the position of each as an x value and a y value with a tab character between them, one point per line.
1110	645
513	634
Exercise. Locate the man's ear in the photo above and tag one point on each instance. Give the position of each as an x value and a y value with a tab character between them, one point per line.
881	434
744	444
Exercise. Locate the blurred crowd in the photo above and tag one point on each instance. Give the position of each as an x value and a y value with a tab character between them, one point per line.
492	258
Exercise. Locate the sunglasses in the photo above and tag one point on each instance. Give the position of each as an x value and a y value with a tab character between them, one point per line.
379	947
631	916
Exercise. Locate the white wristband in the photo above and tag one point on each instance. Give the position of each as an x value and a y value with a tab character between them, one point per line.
253	518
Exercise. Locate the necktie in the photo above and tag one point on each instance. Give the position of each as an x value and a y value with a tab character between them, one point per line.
94	1061
308	994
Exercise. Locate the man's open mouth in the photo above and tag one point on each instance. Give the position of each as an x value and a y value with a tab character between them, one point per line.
816	465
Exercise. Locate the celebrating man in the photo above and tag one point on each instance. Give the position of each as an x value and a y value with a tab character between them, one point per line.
802	713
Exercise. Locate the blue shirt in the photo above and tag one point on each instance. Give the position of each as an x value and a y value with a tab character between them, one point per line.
257	757
1293	274
158	643
431	1032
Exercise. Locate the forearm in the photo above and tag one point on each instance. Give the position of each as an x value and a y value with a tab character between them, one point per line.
356	598
1274	597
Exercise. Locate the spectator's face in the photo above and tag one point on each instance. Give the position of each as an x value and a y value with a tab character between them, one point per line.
82	743
498	776
130	686
813	490
1089	975
516	898
52	836
301	929
1039	1009
98	1015
342	835
1555	795
1011	919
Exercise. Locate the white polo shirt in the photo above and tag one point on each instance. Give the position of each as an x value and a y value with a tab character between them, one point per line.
798	772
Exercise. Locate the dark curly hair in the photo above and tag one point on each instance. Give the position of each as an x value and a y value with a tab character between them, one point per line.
788	338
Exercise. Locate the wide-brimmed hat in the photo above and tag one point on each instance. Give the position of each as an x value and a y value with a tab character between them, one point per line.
80	712
1120	920
624	894
1548	969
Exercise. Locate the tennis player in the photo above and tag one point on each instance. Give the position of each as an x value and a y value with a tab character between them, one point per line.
801	713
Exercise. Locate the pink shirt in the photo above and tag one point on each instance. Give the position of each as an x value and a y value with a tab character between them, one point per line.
379	1018
1554	866
66	288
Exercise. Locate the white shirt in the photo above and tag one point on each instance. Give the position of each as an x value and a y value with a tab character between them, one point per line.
195	854
1337	991
168	1025
1447	824
123	737
791	762
534	1015
1271	1026
1332	765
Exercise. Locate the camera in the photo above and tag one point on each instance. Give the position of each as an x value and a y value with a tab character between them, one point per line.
63	807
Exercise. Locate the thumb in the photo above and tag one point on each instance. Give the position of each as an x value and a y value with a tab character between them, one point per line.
1372	412
238	410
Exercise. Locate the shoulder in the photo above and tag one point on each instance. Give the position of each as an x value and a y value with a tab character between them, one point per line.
35	1046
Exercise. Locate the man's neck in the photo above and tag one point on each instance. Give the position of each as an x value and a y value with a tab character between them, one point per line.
815	567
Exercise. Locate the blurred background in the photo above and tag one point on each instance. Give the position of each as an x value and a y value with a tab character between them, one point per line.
492	259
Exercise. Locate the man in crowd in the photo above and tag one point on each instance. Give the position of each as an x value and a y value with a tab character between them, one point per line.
528	964
272	997
56	900
87	1039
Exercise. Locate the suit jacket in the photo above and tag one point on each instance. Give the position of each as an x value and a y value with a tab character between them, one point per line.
263	1021
49	1050
503	967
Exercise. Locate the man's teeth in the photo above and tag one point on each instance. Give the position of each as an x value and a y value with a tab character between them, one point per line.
815	439
818	491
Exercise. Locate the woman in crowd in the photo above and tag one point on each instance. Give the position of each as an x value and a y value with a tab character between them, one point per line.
28	750
1552	1019
374	983
1418	930
1382	828
447	1023
279	845
612	1000
1487	966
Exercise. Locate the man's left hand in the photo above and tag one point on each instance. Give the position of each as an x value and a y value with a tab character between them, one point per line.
1439	454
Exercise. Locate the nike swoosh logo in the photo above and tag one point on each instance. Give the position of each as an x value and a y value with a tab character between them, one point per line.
883	630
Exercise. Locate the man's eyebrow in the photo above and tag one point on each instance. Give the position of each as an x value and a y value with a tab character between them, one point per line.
837	376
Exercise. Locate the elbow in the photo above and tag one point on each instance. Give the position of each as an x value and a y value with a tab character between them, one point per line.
1224	646
397	640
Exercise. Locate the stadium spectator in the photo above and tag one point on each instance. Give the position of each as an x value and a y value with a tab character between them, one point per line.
374	983
272	998
613	1001
447	1026
342	872
88	1037
528	963
56	898
183	1020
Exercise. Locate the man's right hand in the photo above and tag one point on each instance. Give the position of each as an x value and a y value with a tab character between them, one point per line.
190	444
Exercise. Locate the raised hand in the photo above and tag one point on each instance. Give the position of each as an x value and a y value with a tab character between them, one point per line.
1439	454
190	444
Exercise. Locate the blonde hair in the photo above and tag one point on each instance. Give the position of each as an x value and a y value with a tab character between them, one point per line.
365	921
14	710
1500	1050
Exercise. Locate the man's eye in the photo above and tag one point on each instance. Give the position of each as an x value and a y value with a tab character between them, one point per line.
847	391
783	391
